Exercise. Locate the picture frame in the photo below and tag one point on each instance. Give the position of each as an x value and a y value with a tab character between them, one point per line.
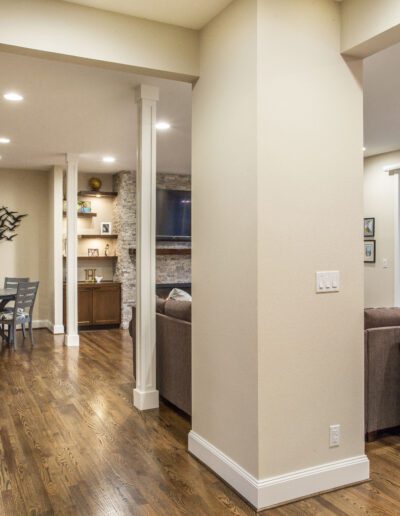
369	227
369	251
93	252
105	228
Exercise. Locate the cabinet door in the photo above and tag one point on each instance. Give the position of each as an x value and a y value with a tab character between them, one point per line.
85	305
107	304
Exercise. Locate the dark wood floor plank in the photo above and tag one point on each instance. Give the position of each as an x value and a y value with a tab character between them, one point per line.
71	443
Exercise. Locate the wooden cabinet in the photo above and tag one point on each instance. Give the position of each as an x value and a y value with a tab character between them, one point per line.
99	304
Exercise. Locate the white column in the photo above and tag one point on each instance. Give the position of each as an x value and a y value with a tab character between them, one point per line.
145	395
72	337
57	248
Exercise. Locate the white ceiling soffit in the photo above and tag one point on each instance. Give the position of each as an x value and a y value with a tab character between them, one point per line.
382	101
192	14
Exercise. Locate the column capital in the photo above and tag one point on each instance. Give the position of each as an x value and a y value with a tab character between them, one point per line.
71	158
145	92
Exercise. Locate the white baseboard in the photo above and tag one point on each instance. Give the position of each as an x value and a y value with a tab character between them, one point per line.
38	323
71	341
266	493
57	329
145	400
44	323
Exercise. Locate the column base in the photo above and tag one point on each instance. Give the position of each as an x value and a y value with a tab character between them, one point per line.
71	340
145	400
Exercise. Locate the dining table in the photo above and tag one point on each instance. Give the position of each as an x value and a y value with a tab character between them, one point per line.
6	295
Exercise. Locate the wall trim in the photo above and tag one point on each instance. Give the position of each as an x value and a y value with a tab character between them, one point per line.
41	323
268	492
145	400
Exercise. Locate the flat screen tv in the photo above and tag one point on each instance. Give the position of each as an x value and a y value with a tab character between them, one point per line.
173	216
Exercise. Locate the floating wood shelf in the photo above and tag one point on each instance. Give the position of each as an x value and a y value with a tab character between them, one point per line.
97	236
96	258
167	251
81	214
89	193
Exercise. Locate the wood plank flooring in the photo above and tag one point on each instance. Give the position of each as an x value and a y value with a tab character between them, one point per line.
72	444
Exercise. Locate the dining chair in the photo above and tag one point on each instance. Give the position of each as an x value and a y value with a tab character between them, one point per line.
23	311
13	282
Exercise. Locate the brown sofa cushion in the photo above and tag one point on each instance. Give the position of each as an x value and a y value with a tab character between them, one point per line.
381	317
179	309
160	305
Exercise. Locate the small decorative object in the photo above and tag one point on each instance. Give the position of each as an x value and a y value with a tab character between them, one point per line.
84	206
95	184
369	227
107	248
369	251
90	275
93	252
9	221
105	228
98	279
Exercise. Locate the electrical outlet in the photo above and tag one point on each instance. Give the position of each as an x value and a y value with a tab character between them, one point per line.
334	436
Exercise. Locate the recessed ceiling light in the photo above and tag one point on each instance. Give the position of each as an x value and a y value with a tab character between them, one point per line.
4	140
13	96
364	149
163	126
108	159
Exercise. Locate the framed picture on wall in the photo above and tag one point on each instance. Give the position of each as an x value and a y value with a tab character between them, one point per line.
369	251
369	227
105	228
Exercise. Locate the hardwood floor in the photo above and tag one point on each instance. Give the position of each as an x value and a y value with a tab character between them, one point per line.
72	444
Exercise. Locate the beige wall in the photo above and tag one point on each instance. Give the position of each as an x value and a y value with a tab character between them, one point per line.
224	260
27	255
266	347
369	26
379	197
310	179
74	31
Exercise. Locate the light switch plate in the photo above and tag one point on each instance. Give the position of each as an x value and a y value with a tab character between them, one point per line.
327	281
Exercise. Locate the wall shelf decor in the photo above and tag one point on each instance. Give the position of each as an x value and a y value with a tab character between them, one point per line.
9	222
80	214
96	258
84	193
98	236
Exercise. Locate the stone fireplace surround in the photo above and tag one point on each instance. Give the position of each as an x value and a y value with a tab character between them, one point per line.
170	268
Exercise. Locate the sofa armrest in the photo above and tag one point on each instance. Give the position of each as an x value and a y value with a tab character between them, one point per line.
174	361
382	378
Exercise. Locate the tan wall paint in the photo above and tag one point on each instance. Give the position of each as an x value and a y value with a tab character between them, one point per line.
26	191
224	347
77	31
379	192
369	26
310	179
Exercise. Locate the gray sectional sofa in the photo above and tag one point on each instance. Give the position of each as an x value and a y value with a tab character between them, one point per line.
173	351
382	370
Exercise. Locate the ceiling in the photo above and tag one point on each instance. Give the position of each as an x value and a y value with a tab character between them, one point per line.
382	101
89	111
193	14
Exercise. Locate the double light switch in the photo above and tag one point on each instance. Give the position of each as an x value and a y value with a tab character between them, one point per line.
328	281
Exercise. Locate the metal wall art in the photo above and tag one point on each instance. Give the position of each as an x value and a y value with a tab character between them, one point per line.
9	221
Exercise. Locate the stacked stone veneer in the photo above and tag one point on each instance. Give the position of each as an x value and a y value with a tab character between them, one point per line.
170	268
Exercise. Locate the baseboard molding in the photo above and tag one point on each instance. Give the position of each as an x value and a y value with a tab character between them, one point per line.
72	341
38	323
266	493
145	400
57	329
